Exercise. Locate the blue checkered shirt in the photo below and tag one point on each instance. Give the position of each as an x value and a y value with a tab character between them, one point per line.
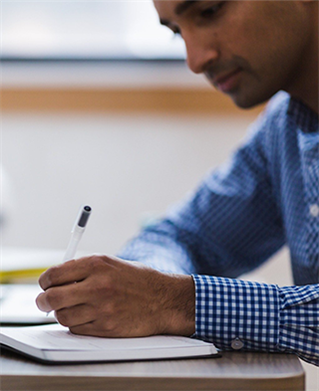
265	196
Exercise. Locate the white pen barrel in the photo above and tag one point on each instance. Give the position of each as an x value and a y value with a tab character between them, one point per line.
73	244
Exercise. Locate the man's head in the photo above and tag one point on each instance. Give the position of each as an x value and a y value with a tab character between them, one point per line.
247	49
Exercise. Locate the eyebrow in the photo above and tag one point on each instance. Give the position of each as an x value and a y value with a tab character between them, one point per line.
184	6
179	10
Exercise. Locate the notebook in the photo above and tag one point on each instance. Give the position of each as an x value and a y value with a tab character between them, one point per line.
56	344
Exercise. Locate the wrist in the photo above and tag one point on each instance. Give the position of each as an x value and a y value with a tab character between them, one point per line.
178	316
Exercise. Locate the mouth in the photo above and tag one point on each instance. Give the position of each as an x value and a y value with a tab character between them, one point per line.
227	82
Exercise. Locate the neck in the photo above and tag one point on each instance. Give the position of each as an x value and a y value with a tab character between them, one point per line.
305	87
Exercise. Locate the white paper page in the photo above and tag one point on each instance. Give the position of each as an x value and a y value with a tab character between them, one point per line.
57	337
17	304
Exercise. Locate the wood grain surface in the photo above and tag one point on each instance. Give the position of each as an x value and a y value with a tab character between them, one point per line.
233	371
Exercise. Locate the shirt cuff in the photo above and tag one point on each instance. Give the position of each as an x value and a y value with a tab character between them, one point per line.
237	314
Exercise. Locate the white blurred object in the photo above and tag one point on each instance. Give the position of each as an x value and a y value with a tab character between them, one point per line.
6	197
101	29
18	305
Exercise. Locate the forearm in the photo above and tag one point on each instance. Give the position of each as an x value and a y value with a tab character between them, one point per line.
246	315
160	251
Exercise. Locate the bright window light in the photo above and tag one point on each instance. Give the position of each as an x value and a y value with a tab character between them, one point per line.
120	29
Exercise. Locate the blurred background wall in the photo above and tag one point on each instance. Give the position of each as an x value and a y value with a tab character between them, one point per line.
129	140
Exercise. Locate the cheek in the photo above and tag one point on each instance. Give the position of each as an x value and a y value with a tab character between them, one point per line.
251	47
245	31
236	37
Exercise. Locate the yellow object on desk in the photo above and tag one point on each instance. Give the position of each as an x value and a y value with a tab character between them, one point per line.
24	263
21	264
9	276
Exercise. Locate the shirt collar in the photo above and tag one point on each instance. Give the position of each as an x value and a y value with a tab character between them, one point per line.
303	116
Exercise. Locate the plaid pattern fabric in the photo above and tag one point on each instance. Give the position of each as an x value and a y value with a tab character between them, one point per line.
248	311
265	196
262	317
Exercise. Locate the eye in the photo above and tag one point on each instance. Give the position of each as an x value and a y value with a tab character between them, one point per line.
211	11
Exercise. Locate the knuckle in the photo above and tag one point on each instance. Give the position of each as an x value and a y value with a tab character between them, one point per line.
112	328
62	317
52	276
45	280
111	310
69	264
108	326
52	298
101	289
96	263
108	311
100	286
48	277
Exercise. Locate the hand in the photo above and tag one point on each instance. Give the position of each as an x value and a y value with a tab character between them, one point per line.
109	297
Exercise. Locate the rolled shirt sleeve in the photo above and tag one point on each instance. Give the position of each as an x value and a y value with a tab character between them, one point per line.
247	315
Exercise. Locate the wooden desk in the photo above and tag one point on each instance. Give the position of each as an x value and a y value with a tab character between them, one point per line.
234	371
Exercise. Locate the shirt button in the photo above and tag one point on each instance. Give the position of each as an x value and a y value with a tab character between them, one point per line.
314	210
237	344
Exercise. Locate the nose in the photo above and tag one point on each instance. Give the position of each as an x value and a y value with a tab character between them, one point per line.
199	53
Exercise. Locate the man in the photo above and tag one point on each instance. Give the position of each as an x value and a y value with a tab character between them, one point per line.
265	196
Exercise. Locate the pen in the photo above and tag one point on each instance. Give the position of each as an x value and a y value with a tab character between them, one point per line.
76	233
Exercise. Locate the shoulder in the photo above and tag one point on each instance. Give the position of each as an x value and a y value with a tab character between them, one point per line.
277	107
272	120
265	135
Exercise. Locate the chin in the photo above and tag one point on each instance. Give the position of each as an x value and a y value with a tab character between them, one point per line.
249	102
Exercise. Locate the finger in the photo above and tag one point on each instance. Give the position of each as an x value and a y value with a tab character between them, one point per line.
63	296
42	303
88	329
66	273
76	315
